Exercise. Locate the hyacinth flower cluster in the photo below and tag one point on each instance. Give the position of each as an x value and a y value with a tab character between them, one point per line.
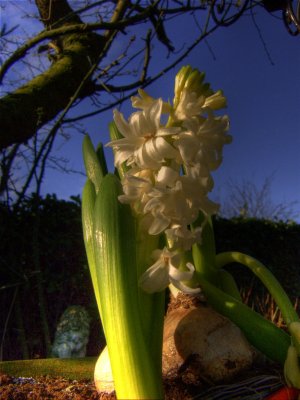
148	226
168	170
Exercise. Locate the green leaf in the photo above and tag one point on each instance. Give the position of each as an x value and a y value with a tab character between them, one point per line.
134	371
289	314
101	159
228	284
87	212
115	135
91	162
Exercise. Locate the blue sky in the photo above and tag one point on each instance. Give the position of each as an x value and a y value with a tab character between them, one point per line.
263	105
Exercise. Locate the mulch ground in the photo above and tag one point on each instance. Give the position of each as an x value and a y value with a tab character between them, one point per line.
252	385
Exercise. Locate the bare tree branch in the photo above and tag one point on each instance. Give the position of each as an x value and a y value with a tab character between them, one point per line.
247	200
106	67
41	99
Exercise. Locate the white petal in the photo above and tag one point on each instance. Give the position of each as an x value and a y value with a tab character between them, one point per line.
144	160
188	145
122	125
144	101
159	224
184	288
178	275
122	156
155	279
151	147
216	101
153	114
138	124
165	149
167	176
168	131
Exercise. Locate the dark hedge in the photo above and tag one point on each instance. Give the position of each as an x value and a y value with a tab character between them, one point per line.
43	268
275	244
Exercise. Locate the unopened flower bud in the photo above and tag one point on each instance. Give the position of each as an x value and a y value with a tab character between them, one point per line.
192	93
191	80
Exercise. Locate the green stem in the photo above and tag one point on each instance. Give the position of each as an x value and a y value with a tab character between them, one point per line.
204	253
204	259
276	290
152	306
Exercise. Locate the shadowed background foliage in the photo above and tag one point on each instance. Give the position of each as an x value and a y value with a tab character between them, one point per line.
43	269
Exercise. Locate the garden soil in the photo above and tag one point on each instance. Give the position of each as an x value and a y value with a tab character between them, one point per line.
47	388
246	386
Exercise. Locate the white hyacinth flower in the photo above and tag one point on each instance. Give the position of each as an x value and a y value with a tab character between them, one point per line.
203	141
177	199
136	186
169	169
191	104
144	101
165	271
216	101
180	237
144	143
172	200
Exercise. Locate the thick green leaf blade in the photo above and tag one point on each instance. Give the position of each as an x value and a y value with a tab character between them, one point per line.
91	162
87	213
101	159
115	255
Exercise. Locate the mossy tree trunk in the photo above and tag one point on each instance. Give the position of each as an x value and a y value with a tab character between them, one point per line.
40	100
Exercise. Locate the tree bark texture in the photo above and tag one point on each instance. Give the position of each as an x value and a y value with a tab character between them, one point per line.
31	106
